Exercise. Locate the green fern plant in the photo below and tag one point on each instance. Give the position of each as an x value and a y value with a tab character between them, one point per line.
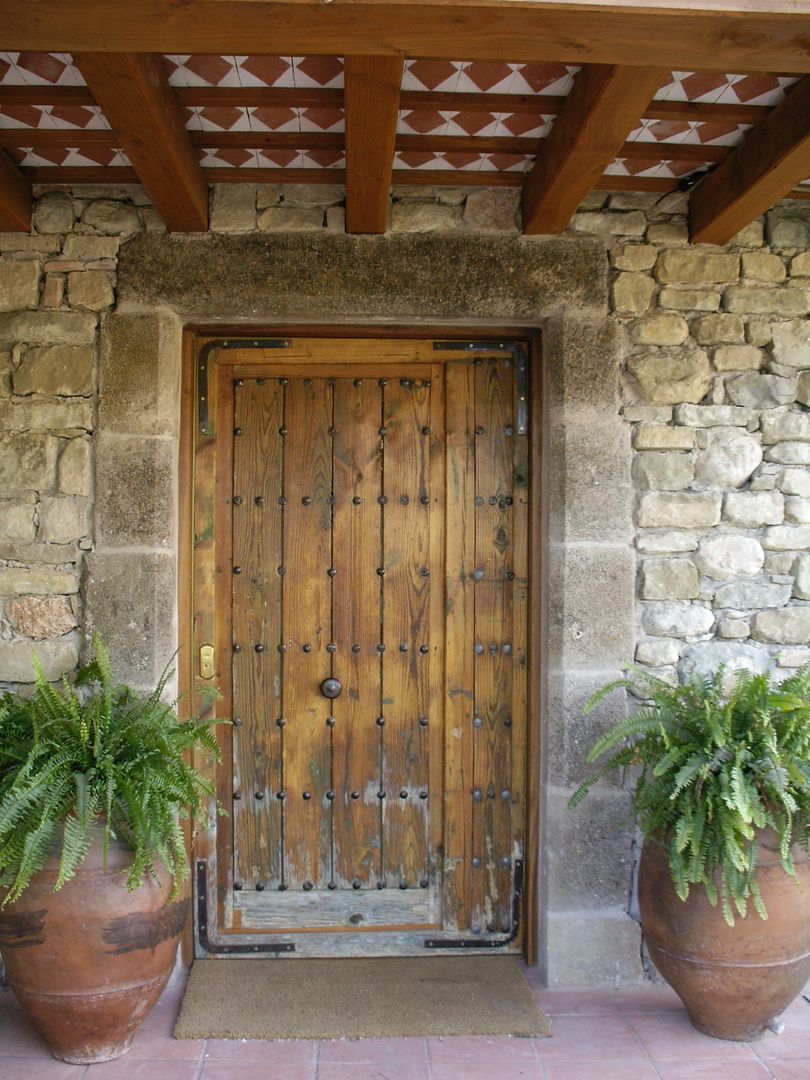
716	765
100	755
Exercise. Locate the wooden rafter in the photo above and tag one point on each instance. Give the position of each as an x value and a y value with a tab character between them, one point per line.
15	197
522	30
601	110
434	100
136	98
762	170
372	87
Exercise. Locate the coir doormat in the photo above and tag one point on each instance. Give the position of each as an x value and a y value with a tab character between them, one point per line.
355	998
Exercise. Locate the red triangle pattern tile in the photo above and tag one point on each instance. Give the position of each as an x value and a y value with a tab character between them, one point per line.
44	65
224	116
701	83
323	118
540	76
273	117
432	73
423	121
234	156
268	69
661	130
25	115
212	69
519	123
278	158
472	122
322	69
5	68
75	115
326	159
753	86
708	132
460	159
487	74
505	162
414	159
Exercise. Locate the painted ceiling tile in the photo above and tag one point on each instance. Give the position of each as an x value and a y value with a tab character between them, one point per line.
224	118
209	70
78	116
521	124
274	118
322	120
265	70
431	74
554	79
279	159
323	159
461	160
489	76
415	159
423	122
21	116
506	162
312	71
468	122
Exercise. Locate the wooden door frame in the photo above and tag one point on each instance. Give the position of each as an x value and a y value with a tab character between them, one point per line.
193	336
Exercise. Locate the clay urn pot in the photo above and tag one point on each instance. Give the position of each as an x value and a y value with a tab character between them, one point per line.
88	963
734	980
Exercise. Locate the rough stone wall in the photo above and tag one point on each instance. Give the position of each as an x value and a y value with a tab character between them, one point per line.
676	445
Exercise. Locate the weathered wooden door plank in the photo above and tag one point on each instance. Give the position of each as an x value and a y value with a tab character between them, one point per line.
357	554
307	631
459	641
492	843
257	622
406	596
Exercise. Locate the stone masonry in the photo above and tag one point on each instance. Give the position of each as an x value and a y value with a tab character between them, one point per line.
676	441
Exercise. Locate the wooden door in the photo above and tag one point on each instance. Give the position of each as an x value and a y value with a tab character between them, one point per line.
360	595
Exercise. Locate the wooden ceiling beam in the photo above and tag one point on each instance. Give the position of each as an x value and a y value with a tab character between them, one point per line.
15	197
763	169
371	92
135	96
520	30
410	100
603	107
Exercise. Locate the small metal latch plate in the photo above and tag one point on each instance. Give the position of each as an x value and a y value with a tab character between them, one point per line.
207	662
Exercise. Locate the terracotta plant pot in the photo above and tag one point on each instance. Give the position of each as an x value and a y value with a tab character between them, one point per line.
734	981
88	963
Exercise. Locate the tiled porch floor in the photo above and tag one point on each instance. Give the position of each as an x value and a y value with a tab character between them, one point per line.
597	1035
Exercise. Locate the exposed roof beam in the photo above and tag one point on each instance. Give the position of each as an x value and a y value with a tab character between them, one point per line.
603	107
762	170
371	91
135	96
323	98
520	30
15	197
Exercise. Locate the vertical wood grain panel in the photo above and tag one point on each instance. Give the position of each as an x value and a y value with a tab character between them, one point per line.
307	623
494	658
257	625
520	628
357	554
406	661
459	631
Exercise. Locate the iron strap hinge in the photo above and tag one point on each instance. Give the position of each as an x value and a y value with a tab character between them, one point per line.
521	362
493	942
203	410
227	950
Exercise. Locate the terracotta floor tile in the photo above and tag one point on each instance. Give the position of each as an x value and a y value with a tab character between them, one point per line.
591	1038
220	1070
373	1051
345	1070
468	1070
49	1068
600	1070
19	1039
713	1070
791	1069
277	1051
127	1068
480	1048
671	1037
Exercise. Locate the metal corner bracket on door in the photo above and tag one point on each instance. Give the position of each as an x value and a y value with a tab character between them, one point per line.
227	950
203	411
493	942
520	360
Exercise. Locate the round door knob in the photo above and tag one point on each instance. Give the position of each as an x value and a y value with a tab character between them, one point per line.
330	688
